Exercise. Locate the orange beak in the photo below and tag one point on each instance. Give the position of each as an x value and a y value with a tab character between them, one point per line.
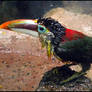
26	26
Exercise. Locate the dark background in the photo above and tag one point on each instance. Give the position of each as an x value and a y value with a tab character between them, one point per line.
34	9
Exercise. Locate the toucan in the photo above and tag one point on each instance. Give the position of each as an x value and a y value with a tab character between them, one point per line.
65	44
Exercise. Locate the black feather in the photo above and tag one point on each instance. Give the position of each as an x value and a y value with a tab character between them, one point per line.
79	51
55	27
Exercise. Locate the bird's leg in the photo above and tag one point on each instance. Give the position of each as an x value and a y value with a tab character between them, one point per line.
74	76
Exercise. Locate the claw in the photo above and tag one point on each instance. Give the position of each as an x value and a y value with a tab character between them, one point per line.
55	71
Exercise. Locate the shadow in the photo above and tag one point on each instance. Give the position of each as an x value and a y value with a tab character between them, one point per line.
52	80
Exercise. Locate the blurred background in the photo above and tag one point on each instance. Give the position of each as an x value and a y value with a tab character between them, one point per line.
34	9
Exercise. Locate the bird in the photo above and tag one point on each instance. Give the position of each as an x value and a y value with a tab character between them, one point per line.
65	44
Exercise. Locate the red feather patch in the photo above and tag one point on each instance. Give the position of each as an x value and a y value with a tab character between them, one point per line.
72	35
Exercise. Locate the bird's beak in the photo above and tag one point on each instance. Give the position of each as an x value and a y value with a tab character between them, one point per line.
26	26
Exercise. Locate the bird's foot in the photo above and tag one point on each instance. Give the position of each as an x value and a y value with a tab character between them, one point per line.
74	76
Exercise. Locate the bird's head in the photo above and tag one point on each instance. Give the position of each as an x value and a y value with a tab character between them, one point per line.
54	34
48	30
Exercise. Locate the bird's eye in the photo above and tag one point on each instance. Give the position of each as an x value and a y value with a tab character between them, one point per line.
41	29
